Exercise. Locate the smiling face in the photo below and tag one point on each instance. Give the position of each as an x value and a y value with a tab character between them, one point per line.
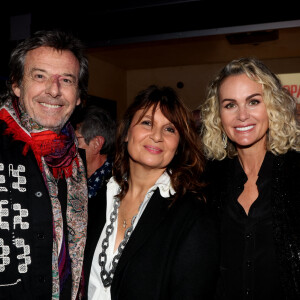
243	112
152	146
49	90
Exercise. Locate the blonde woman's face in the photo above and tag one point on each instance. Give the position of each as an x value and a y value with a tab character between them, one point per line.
243	111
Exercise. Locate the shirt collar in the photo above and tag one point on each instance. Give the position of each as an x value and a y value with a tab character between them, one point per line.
163	183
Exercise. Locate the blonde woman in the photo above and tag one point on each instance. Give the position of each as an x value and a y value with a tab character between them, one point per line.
251	140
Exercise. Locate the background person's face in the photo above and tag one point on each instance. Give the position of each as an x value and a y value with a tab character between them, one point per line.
49	90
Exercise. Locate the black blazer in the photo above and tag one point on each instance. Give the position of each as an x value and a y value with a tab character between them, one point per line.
171	254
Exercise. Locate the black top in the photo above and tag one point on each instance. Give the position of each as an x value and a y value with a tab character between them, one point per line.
173	253
249	268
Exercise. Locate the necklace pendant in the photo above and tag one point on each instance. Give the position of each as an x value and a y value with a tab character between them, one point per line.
124	224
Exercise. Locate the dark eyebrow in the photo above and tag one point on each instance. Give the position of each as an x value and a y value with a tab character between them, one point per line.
248	97
150	117
253	95
70	75
37	69
44	71
228	99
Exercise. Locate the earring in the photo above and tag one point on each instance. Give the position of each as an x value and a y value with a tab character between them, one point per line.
224	140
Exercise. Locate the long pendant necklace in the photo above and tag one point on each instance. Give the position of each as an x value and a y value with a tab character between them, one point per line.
107	276
127	221
124	224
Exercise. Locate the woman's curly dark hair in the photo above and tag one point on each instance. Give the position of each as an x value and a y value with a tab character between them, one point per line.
187	166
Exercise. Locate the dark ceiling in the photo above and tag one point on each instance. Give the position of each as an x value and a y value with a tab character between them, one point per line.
115	22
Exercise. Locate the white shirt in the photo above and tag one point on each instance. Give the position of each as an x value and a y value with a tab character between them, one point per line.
96	290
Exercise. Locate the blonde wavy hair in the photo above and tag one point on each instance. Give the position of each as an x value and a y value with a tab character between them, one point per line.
284	129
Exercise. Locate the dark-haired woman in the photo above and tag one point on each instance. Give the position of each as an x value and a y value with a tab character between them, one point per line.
150	233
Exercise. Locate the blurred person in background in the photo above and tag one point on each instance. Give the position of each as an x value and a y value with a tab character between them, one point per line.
96	132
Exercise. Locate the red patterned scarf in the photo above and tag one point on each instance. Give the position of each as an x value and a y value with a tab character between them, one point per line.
59	150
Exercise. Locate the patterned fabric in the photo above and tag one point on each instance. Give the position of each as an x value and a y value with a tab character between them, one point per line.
57	156
96	180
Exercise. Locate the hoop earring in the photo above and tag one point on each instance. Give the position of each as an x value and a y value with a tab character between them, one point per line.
224	140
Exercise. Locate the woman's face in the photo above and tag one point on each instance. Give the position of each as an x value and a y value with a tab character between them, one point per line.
243	111
152	146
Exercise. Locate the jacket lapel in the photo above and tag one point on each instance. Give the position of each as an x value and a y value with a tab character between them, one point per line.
150	220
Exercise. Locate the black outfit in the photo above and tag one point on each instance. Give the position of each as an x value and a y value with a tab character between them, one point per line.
171	254
260	252
26	231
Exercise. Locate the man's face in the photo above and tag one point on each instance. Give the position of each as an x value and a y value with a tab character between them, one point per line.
49	90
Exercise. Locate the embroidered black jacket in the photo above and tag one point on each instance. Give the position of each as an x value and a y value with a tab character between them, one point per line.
25	225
